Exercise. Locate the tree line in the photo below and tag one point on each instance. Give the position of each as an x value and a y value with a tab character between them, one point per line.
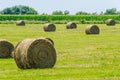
21	10
26	10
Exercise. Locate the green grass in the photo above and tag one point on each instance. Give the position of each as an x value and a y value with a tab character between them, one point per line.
79	56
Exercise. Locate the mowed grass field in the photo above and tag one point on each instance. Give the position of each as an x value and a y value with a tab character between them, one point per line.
79	56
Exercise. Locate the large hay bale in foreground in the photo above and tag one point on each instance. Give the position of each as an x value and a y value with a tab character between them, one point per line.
92	29
20	23
71	25
35	53
6	49
49	27
110	22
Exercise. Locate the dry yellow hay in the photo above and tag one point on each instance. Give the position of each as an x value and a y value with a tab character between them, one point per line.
6	49
49	27
71	25
20	23
92	29
35	53
110	22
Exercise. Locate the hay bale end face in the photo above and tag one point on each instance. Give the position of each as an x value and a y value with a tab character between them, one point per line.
20	23
92	29
49	27
71	25
6	49
35	53
110	22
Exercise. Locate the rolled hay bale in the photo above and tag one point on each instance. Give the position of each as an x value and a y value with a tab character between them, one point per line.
71	25
35	53
6	49
20	23
92	29
110	22
50	40
49	27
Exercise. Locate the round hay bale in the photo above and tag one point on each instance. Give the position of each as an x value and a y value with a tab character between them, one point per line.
71	25
6	49
20	23
92	29
50	40
49	27
110	22
35	53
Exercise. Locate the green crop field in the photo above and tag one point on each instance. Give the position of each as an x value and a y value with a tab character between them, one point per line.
59	19
79	56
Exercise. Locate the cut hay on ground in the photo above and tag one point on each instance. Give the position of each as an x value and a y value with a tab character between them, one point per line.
6	49
92	29
49	27
20	23
110	22
71	25
35	53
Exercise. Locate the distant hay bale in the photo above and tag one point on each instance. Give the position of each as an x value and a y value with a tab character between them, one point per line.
50	40
71	25
49	27
20	23
35	53
6	49
92	29
110	22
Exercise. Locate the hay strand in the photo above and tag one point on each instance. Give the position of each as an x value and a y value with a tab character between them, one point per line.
6	49
110	22
92	29
49	27
71	25
35	53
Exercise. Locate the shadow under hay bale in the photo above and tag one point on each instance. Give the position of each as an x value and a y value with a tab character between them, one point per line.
92	29
71	25
110	22
6	49
20	23
49	27
35	53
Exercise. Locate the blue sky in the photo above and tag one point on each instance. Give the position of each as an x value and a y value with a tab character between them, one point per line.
48	6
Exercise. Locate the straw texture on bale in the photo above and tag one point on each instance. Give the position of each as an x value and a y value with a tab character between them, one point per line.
35	53
110	22
49	27
71	25
6	49
92	29
20	23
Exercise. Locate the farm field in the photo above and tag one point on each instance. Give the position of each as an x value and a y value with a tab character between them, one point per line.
79	56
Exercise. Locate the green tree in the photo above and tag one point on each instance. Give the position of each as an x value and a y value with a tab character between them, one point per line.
44	14
57	13
66	12
19	10
94	13
111	11
82	13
